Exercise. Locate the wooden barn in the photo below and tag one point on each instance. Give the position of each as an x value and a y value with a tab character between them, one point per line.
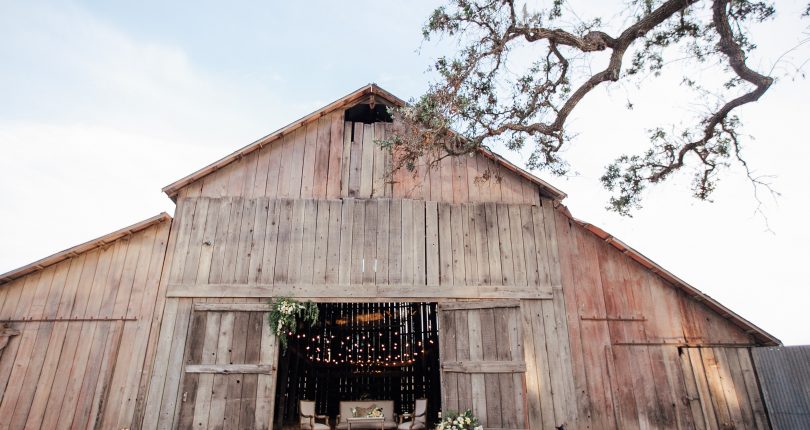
472	293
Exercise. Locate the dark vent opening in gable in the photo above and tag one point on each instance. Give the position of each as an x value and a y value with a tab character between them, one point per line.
367	114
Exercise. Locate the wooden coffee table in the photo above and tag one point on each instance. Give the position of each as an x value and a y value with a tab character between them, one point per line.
366	420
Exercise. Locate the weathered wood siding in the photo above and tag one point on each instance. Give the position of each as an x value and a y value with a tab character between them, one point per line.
602	353
85	327
483	366
331	159
625	325
242	243
354	242
722	389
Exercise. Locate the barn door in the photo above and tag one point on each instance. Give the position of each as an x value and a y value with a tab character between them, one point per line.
229	371
482	361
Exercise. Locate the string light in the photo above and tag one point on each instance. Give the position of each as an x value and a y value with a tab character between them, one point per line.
371	342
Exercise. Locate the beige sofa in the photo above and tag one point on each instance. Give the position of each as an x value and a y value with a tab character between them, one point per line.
387	406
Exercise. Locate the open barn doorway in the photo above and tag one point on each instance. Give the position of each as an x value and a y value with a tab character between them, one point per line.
383	353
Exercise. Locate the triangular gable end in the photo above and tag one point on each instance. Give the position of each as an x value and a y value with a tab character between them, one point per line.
370	93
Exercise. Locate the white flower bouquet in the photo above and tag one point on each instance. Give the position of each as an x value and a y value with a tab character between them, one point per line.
459	421
284	314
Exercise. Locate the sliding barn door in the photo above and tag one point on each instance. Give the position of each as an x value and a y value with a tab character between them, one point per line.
482	361
229	371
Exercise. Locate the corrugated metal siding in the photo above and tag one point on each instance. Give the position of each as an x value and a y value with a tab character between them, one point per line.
784	376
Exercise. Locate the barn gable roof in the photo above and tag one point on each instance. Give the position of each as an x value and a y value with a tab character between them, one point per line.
370	92
748	327
84	247
379	95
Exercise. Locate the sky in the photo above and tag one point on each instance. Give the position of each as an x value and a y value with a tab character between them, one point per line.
104	103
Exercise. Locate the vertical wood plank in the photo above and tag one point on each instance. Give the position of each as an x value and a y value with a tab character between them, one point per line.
266	271
266	384
702	384
493	243
321	168
274	169
333	249
308	172
336	158
378	177
382	243
496	388
419	237
357	264
408	242
477	397
194	355
296	243
715	387
445	245
216	412
752	388
355	159
247	415
370	243
533	381
284	241
346	156
321	239
307	262
447	350
346	222
395	241
202	399
296	166
460	187
457	245
432	243
233	400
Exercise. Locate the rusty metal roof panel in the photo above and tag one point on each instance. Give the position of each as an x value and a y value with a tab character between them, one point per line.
784	377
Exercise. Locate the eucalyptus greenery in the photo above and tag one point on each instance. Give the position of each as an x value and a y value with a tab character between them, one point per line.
285	314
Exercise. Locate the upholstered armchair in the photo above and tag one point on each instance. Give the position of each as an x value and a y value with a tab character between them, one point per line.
307	417
418	419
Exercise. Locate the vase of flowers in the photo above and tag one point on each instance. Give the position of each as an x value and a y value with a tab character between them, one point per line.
459	421
284	315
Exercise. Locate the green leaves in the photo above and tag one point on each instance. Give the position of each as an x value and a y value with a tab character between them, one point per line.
284	316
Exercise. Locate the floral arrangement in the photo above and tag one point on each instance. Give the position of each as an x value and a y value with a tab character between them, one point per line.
462	421
284	314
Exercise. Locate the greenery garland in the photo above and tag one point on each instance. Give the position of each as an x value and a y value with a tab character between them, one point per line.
284	314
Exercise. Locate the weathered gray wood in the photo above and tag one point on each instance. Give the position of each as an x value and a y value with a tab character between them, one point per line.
232	307
228	369
484	366
479	305
358	291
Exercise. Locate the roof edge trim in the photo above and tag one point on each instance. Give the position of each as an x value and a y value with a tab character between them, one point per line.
82	248
748	327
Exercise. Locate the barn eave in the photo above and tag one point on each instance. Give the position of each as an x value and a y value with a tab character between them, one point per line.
761	336
82	248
